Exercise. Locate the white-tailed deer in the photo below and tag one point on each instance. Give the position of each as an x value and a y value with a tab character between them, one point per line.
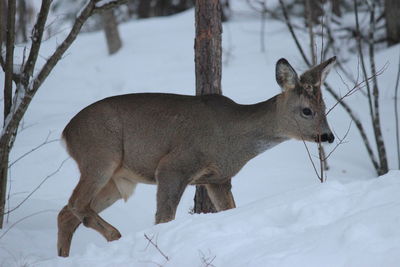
176	140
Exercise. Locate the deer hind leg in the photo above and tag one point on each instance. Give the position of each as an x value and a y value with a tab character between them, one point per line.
90	184
221	195
68	222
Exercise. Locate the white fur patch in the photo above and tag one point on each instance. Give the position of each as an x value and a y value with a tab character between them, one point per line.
125	187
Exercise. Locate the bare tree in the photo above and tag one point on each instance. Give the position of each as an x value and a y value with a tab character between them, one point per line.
8	71
110	26
370	84
261	7
373	95
392	11
3	20
27	81
208	58
22	34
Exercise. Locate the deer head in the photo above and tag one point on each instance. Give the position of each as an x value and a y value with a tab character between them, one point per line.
302	109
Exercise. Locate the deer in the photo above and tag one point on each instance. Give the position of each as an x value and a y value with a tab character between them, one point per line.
176	140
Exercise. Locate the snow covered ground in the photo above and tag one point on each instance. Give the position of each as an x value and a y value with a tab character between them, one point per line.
285	217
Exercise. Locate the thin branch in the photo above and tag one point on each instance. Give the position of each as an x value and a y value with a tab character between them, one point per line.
45	142
207	261
308	152
9	64
108	5
341	141
156	246
358	124
37	35
24	218
357	87
396	114
361	57
376	120
38	186
290	27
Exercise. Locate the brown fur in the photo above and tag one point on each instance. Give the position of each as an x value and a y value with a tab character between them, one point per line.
176	140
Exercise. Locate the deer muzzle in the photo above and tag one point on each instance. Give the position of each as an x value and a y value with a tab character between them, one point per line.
326	137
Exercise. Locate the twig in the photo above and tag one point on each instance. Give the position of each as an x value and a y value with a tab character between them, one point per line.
290	27
45	142
357	122
156	246
38	186
376	119
374	110
308	152
207	261
396	114
24	218
341	141
356	87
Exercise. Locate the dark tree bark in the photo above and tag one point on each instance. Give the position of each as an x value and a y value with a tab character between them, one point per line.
110	26
208	49
392	11
162	8
28	84
8	85
22	34
336	7
144	9
225	10
3	20
313	9
208	60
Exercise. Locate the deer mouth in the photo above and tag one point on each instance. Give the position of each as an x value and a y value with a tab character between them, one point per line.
326	137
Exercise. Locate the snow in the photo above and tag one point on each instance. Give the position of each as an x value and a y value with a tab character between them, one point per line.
101	3
284	216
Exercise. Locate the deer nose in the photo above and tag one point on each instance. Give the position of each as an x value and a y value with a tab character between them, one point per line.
327	137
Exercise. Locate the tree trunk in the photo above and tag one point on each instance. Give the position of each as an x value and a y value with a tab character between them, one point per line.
208	58
3	20
110	25
8	84
336	7
144	9
312	9
392	11
22	21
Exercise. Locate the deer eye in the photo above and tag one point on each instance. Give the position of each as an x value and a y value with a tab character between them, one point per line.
306	111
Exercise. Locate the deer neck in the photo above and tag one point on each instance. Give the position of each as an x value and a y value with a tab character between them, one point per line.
259	129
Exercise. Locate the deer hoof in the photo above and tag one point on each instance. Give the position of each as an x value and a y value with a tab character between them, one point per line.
113	235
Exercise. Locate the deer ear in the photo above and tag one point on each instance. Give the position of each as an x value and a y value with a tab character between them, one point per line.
326	68
318	74
286	76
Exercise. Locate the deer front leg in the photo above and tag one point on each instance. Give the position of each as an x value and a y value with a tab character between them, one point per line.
221	195
174	172
170	188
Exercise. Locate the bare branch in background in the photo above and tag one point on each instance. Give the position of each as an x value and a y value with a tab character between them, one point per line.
154	244
340	100
28	83
290	27
372	99
37	187
23	219
207	260
357	87
45	142
396	114
260	6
